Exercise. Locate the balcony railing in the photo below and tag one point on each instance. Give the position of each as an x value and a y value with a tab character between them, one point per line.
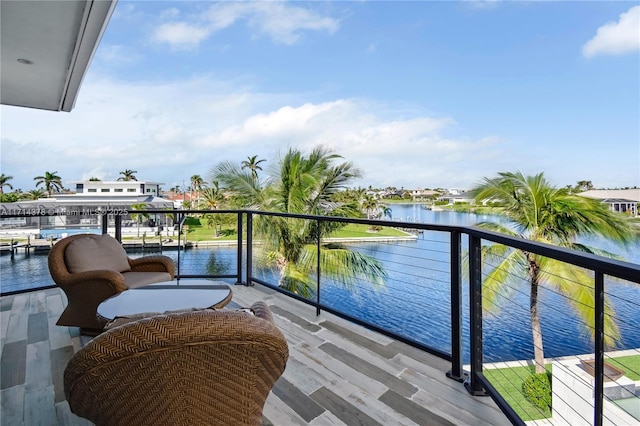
432	298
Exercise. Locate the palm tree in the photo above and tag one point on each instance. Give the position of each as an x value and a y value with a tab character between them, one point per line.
386	211
34	194
11	197
212	197
196	186
4	181
138	217
128	175
253	164
583	185
369	204
307	185
542	213
51	181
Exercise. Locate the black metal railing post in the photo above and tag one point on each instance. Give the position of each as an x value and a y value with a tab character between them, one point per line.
117	222
456	372
239	264
105	223
249	248
599	349
180	217
318	235
473	384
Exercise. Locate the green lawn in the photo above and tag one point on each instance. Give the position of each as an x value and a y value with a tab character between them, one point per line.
203	233
354	230
196	231
508	382
629	364
200	232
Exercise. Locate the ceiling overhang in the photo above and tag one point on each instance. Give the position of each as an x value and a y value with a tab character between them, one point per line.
46	47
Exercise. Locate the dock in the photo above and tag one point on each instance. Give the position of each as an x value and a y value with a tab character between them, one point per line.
15	246
44	245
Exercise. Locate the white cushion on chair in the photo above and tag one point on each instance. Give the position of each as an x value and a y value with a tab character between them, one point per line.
96	253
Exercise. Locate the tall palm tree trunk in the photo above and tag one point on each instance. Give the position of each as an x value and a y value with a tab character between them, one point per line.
281	265
536	327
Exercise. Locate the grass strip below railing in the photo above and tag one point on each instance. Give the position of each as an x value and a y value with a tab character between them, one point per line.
629	364
508	382
198	232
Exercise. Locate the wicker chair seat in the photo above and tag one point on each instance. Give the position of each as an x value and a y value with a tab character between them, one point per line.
191	368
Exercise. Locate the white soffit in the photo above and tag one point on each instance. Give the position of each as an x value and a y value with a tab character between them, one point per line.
46	47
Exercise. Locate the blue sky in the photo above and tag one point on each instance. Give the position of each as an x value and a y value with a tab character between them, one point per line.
416	94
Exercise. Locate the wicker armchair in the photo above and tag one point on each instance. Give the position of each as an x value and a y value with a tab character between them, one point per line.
91	268
203	367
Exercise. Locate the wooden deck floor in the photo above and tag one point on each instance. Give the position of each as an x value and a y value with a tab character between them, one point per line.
338	373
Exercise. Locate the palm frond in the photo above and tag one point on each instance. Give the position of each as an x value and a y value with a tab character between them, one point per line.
346	267
594	250
503	277
496	227
298	281
236	180
578	286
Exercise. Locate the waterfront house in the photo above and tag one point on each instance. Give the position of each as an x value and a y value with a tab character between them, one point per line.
618	200
84	208
453	196
119	187
423	194
180	199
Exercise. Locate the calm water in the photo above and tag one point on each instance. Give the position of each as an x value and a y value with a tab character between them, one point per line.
410	304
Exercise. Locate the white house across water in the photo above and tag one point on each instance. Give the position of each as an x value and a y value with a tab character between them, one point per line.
85	207
618	200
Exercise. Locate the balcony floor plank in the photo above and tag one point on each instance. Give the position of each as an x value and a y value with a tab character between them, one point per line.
338	372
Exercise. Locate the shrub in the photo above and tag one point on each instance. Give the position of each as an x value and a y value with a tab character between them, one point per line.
537	389
192	221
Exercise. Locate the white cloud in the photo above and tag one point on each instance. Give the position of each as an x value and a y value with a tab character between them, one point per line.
616	38
170	131
282	22
410	151
116	55
181	34
171	13
287	125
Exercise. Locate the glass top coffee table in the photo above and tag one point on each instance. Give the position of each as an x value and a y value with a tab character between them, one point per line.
166	296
